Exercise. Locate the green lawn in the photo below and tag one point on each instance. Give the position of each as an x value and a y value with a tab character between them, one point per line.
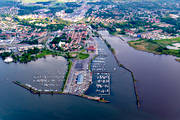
83	56
43	53
156	46
166	42
47	52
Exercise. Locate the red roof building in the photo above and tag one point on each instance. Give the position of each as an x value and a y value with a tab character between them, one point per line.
91	48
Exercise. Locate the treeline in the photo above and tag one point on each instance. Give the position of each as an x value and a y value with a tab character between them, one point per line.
5	54
72	4
29	55
110	2
51	27
24	58
69	10
174	22
31	42
26	23
55	27
28	9
53	10
163	49
62	38
44	3
110	28
131	24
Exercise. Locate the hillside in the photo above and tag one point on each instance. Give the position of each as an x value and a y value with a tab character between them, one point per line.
34	1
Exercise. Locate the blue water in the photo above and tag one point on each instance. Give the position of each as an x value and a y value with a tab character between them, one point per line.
17	103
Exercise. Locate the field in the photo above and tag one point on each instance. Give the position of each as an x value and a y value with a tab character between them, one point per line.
156	46
166	42
44	53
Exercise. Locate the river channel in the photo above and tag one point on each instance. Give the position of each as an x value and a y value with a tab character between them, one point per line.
158	78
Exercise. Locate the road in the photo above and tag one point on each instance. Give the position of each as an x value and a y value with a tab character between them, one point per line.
78	89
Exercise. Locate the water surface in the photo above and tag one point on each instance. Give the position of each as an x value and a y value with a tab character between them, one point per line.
17	103
158	78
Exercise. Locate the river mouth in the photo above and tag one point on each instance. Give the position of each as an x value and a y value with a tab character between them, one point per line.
157	77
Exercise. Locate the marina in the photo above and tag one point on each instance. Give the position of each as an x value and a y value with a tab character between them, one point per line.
99	63
101	74
21	102
89	59
103	83
46	80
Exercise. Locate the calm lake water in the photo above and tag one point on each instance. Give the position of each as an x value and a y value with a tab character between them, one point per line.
158	78
17	103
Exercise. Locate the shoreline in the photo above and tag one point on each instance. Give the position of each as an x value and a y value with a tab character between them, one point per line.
177	59
42	54
122	66
130	43
70	63
136	48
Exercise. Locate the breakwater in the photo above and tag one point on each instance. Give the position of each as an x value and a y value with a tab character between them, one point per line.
121	65
34	91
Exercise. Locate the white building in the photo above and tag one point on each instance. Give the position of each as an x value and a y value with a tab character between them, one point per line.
61	43
8	60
